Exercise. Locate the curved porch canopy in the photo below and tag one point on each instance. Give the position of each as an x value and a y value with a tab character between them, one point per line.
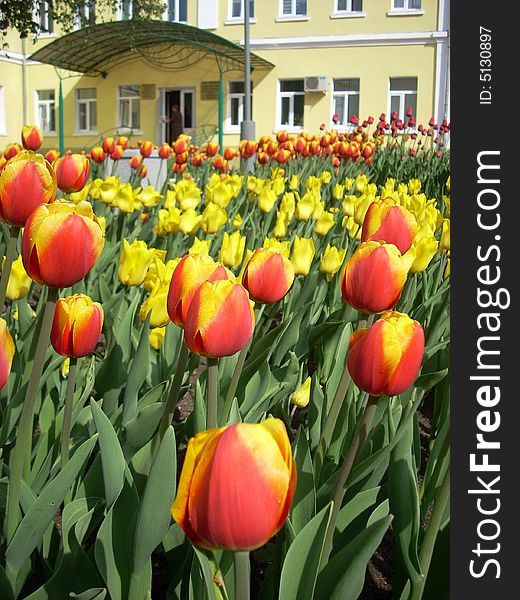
96	49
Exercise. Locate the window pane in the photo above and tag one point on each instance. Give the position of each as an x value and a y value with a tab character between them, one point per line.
93	115
285	111
298	110
339	108
291	85
357	5
235	111
136	121
346	85
124	106
82	116
236	8
287	7
129	91
45	94
301	7
410	101
183	10
171	10
188	109
86	93
403	84
353	106
42	117
414	4
395	104
252	8
342	4
398	3
52	118
236	87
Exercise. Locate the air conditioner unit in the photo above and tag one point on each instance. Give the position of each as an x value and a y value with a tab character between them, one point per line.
315	84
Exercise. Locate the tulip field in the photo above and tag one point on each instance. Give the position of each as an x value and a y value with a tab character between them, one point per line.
232	384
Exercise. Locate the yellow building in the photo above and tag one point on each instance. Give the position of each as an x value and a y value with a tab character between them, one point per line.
312	59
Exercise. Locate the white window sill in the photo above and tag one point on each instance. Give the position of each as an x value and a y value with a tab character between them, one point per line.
238	21
288	129
85	133
348	15
283	18
123	130
405	13
3	133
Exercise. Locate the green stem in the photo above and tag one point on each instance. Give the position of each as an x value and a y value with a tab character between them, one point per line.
360	436
242	571
234	380
212	394
22	448
67	413
428	545
175	388
10	254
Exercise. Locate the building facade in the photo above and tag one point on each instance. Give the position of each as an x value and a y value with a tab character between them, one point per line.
329	58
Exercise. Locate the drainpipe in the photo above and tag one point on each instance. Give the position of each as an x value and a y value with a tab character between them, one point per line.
24	81
247	127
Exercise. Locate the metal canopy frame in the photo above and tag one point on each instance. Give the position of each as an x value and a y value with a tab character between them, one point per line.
95	50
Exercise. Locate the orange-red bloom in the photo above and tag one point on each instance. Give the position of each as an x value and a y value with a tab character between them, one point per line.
212	148
61	242
6	352
374	277
385	358
97	154
109	145
26	182
220	319
123	141
191	272
77	325
72	172
136	161
117	154
32	137
237	485
146	149
165	151
392	224
268	275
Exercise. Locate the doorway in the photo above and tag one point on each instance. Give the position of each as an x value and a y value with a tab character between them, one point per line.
184	99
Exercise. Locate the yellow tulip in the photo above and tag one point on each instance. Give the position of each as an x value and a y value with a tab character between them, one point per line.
305	206
149	197
94	188
425	250
134	262
288	204
361	182
232	249
213	217
167	221
349	182
284	248
313	184
81	195
447	270
108	190
338	191
156	304
302	395
19	282
156	337
266	199
349	205
414	186
200	247
354	230
294	183
326	176
324	223
187	194
237	221
302	255
332	260
65	368
445	236
190	221
221	194
282	222
127	199
361	208
171	199
235	181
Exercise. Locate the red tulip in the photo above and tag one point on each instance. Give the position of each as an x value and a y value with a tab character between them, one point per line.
268	275
220	319
97	154
236	486
392	224
72	172
6	352
108	145
123	142
32	137
146	149
61	242
165	151
385	358
26	182
374	277
136	161
77	325
117	154
212	148
11	150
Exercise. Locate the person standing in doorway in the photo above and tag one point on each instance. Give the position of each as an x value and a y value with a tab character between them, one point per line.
175	123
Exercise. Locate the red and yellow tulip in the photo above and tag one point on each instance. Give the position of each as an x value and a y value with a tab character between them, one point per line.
268	275
61	242
237	485
32	137
77	325
26	182
220	320
385	358
6	352
72	172
391	224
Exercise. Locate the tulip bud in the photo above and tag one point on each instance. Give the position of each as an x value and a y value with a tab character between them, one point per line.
77	325
268	276
156	337
26	182
232	249
97	154
445	236
191	272
61	242
136	161
117	154
220	319
212	148
157	304
374	277
236	486
302	255
7	350
19	282
11	150
385	358
146	149
134	261
32	137
123	142
392	224
302	395
109	145
331	261
165	151
72	172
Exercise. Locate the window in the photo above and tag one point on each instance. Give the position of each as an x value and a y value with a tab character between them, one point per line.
349	6
294	8
406	4
236	104
403	95
130	106
44	16
86	14
345	100
176	10
292	100
46	111
125	10
86	109
236	9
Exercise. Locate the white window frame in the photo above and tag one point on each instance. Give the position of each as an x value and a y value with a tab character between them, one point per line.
123	127
3	130
177	12
402	98
47	104
293	15
87	102
39	17
228	127
290	127
348	126
88	16
120	12
405	10
231	20
347	12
